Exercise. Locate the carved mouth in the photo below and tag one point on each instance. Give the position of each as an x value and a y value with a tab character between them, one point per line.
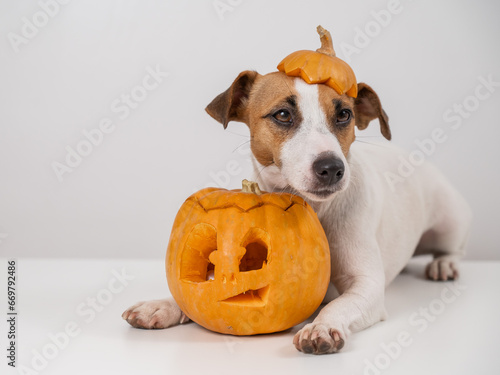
252	297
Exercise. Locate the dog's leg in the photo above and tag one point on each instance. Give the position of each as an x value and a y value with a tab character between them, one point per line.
447	239
360	305
155	314
357	308
447	247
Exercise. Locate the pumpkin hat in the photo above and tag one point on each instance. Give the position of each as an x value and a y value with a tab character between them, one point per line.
321	66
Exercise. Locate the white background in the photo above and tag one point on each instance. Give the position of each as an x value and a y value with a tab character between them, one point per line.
122	199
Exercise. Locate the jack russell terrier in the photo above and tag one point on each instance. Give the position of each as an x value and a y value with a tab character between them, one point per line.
302	142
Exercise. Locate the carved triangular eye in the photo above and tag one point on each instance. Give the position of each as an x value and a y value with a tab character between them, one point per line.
195	264
256	244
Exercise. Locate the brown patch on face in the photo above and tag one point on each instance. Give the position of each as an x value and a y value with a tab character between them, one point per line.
270	94
333	104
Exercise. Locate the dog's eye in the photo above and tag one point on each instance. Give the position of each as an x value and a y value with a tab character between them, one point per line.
283	117
344	116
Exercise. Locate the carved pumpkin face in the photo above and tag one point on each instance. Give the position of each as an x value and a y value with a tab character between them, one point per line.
243	263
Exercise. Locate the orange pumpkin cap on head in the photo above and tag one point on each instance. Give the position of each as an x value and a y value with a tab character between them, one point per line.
245	262
321	66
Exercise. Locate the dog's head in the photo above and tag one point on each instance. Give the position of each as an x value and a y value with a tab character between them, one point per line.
300	133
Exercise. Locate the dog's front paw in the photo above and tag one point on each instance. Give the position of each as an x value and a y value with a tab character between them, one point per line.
155	314
442	269
317	338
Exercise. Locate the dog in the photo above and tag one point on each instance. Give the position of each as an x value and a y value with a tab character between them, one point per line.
302	141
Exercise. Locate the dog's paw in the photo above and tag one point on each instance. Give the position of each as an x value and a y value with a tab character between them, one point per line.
317	338
155	314
442	269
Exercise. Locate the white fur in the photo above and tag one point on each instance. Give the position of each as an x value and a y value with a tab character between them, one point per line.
374	231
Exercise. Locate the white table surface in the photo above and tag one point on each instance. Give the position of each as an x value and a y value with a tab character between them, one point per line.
461	337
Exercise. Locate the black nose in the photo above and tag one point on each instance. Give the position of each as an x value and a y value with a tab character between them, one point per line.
328	170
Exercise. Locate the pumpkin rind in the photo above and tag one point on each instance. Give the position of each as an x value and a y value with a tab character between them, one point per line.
316	67
287	288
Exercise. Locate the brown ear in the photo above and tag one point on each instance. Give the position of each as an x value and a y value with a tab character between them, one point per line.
367	107
229	106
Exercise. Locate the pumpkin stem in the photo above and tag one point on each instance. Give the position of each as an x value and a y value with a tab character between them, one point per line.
326	42
250	187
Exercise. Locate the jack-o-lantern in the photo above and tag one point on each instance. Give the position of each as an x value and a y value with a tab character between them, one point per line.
321	66
245	262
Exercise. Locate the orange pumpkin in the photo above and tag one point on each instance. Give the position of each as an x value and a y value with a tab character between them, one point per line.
321	66
244	262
